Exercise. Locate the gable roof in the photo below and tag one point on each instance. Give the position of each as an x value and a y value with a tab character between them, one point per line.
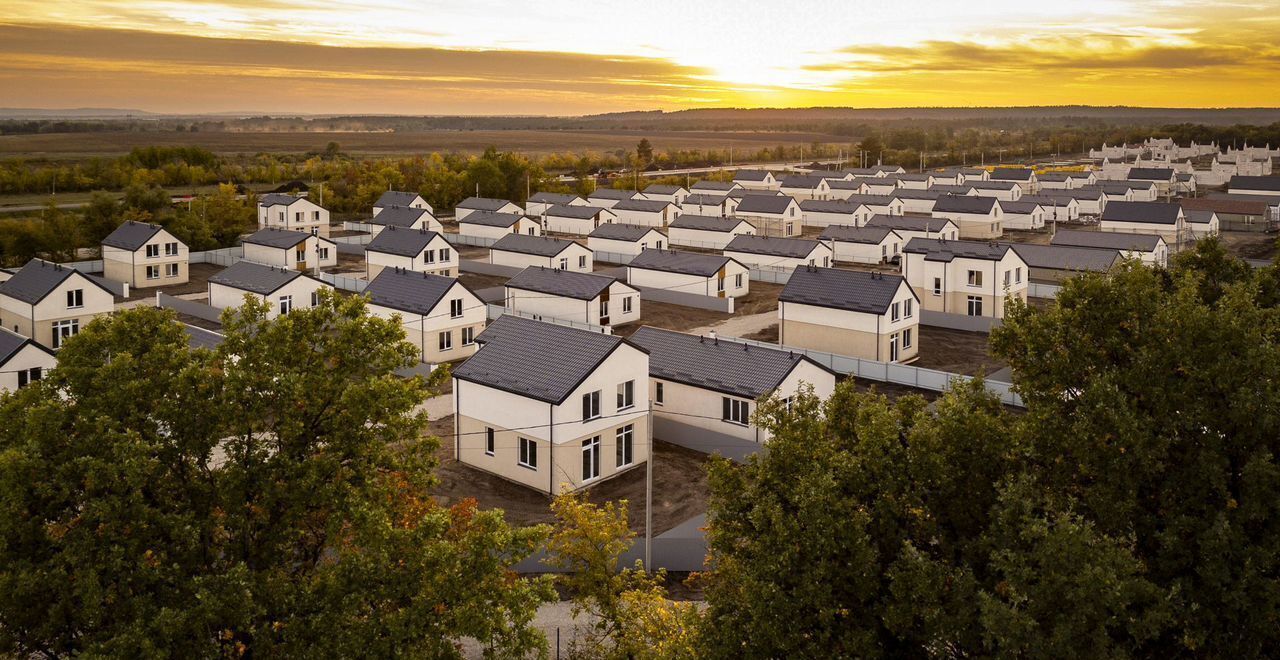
570	284
131	235
1268	183
720	365
991	185
965	204
409	291
850	290
276	237
483	203
806	182
1023	206
255	278
877	181
687	263
829	206
392	198
647	205
553	198
401	216
772	204
402	242
751	175
772	246
542	246
916	193
1012	173
491	219
852	234
1066	257
612	193
617	231
935	249
277	199
1199	216
872	200
844	184
662	189
707	223
12	342
1158	213
1150	174
908	222
542	361
578	212
38	278
704	199
719	186
1111	240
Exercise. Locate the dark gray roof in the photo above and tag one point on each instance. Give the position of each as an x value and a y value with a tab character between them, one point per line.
688	263
570	284
764	204
955	189
490	219
257	278
872	200
806	182
965	204
538	360
276	237
850	290
1012	173
772	246
612	193
402	242
408	291
400	216
579	212
935	249
1158	213
916	193
1066	257
1053	176
650	205
723	186
907	222
392	198
1150	174
1121	186
543	246
829	206
131	235
1092	193
12	342
991	185
38	279
841	184
877	181
706	223
1046	199
1022	206
851	234
743	193
703	199
277	199
750	175
1198	216
724	366
1106	239
483	203
198	337
1269	183
616	231
912	176
662	189
553	198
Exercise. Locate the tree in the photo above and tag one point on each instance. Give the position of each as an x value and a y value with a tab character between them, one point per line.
101	217
644	152
266	498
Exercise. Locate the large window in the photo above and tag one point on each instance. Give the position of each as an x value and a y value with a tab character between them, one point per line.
170	249
906	338
28	376
975	306
153	272
75	298
429	257
590	405
582	261
64	329
625	438
626	395
468	336
895	312
591	458
975	278
564	263
153	251
736	411
171	270
908	308
286	304
455	308
528	454
444	254
446	340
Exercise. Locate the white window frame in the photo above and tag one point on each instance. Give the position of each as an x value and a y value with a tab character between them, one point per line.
626	395
285	304
975	278
971	302
171	270
468	336
171	249
455	308
591	458
895	312
153	250
489	443
64	330
445	340
626	305
624	449
937	286
658	393
735	411
591	406
75	299
908	308
528	454
153	272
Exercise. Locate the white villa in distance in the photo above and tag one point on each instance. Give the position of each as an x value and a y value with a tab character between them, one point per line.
690	272
483	224
627	240
22	361
487	204
539	202
413	250
289	249
281	211
50	302
405	217
648	212
704	231
775	253
867	245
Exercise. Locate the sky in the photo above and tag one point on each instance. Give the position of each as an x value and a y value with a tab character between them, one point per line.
556	57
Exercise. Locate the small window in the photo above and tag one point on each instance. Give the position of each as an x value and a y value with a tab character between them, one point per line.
468	336
975	278
429	257
315	298
444	254
455	308
735	411
1017	275
171	270
895	312
908	308
658	393
28	376
591	458
286	304
324	253
171	249
564	263
625	443
720	284
906	338
1008	277
75	298
626	395
153	272
300	255
937	286
604	308
153	251
582	261
737	281
626	305
590	405
446	340
315	215
488	441
528	454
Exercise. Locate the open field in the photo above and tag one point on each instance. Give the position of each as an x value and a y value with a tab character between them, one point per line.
69	146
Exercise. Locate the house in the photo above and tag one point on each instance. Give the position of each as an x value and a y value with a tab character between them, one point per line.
1140	191
1239	211
552	407
1005	191
485	204
1112	191
971	278
22	361
824	213
405	217
915	200
806	187
849	312
756	180
778	253
1054	180
441	316
1254	185
909	227
649	212
1201	223
578	220
1025	177
664	193
879	204
866	245
877	185
977	217
876	170
608	197
706	187
486	225
573	296
413	250
688	272
50	302
285	289
1051	264
772	216
283	211
1166	220
914	180
289	249
1164	178
841	189
1057	206
709	204
625	239
144	255
540	202
947	188
1092	199
714	385
1149	248
521	251
396	198
1023	215
704	231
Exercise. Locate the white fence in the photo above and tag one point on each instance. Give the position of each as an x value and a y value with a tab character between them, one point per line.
1036	290
222	257
462	239
686	299
343	282
958	321
498	310
771	274
358	239
612	257
486	268
91	266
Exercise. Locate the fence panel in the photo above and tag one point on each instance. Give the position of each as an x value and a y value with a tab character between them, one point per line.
188	307
343	282
612	257
686	299
772	275
706	441
959	321
486	268
220	257
498	310
91	266
466	239
1037	290
350	248
358	239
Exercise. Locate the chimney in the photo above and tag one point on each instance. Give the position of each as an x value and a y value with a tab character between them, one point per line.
714	338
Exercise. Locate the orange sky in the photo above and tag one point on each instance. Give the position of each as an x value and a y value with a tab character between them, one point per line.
560	57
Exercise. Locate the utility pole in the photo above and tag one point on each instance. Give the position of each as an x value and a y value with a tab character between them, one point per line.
648	496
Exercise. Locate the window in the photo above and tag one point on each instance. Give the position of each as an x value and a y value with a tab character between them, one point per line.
720	284
591	458
975	278
286	304
444	254
906	338
171	270
488	441
64	329
826	262
468	336
789	229
153	272
75	298
893	347
315	298
735	411
323	253
446	340
937	286
455	308
737	281
170	249
884	251
1017	275
153	251
626	305
298	216
624	445
1008	277
582	261
528	454
626	395
908	308
894	313
975	306
604	308
28	376
658	244
300	254
564	263
429	257
657	393
590	405
281	216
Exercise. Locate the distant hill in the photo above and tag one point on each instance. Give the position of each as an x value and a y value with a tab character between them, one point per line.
72	113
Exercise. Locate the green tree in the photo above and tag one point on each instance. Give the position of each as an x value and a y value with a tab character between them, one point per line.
644	152
101	217
266	498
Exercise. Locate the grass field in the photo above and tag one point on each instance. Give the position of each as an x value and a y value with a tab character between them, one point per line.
69	146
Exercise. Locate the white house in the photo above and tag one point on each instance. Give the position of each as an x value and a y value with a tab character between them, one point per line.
1254	185
1164	178
866	245
1092	199
486	204
1057	206
573	296
522	251
824	213
285	289
282	211
706	187
652	213
1005	191
608	197
848	312
623	239
405	217
1025	177
539	202
579	220
1165	220
704	231
1150	249
22	361
413	250
441	316
773	216
712	386
971	278
144	255
397	198
552	407
50	302
918	201
1023	215
880	204
1202	223
689	272
778	253
483	224
909	227
877	185
756	180
843	189
659	192
914	180
289	249
1139	191
709	204
805	187
977	217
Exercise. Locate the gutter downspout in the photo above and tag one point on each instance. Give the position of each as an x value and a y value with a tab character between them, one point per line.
457	437
551	449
